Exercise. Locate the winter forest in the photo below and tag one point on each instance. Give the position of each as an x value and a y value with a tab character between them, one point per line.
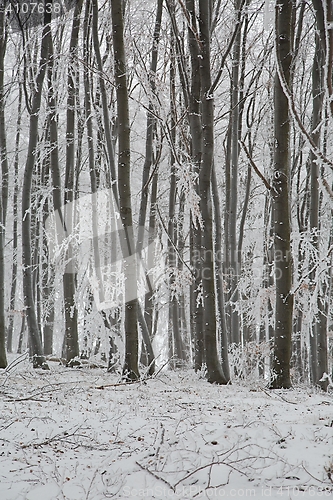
166	247
166	195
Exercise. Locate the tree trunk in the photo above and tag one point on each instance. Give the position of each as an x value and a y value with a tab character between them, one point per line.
149	304
173	323
196	155
151	124
4	193
69	277
111	173
36	346
317	102
214	369
318	338
130	368
53	170
234	258
15	224
219	276
281	205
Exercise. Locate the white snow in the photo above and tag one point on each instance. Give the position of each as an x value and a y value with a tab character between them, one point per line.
78	434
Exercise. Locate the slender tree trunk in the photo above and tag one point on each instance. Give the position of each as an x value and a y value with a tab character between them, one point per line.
53	170
35	340
21	335
3	194
149	304
219	276
321	68
69	277
317	100
111	173
130	368
3	359
183	351
214	369
281	204
196	154
173	323
3	134
151	125
15	225
234	257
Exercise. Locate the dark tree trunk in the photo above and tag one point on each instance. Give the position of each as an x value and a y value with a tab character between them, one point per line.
219	276
3	194
15	224
130	368
69	278
173	323
197	325
234	257
281	204
318	338
36	347
214	369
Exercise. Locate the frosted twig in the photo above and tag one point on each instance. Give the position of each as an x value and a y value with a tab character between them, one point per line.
17	361
161	441
58	437
156	476
313	477
279	395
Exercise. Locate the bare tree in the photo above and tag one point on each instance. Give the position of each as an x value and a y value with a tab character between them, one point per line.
69	278
214	369
281	193
3	194
15	224
35	340
130	368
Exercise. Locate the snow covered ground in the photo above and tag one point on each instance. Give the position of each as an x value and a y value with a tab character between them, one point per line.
78	434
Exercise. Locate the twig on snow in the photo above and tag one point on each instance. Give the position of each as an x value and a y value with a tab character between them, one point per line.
16	362
279	395
156	476
315	478
58	437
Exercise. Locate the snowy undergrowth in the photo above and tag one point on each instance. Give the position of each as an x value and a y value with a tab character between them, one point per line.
78	434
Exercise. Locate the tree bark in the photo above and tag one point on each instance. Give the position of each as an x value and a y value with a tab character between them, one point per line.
281	204
318	338
173	323
196	155
219	277
36	346
130	368
69	277
234	258
214	369
15	225
4	193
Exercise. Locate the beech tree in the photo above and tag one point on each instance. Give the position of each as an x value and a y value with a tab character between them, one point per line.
35	340
281	198
71	344
214	368
3	194
130	368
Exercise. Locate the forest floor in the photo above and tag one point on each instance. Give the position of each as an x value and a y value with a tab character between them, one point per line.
79	434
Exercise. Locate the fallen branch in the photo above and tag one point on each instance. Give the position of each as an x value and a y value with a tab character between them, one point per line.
279	395
173	488
16	362
58	437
